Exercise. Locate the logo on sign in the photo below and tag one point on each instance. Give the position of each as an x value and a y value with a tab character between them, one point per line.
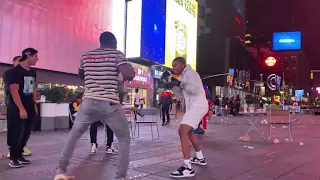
286	41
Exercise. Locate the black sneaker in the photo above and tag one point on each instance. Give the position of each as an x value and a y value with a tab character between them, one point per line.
15	164
168	122
201	162
111	150
183	172
22	160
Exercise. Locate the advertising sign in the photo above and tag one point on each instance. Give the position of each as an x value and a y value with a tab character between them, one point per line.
143	75
60	30
161	30
181	31
287	41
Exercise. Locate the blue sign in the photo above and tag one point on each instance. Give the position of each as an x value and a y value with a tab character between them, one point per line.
156	74
287	41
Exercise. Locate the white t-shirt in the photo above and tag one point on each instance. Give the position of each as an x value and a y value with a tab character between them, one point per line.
137	99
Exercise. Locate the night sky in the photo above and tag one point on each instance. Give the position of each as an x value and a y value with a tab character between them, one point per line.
265	17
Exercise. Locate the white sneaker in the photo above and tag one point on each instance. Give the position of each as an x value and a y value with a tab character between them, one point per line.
94	148
183	172
111	150
201	162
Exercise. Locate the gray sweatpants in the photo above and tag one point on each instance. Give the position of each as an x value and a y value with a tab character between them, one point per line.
113	115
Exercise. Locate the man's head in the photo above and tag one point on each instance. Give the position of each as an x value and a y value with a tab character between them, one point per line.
178	65
137	90
29	56
15	61
108	40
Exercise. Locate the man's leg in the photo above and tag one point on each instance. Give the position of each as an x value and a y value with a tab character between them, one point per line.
15	131
117	121
110	149
163	108
93	137
185	170
199	159
168	115
27	132
83	120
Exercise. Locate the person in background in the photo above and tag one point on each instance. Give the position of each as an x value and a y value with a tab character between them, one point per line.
22	106
216	105
93	138
6	76
166	106
237	104
137	104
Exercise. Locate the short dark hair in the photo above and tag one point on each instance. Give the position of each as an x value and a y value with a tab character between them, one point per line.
137	90
28	52
181	60
16	58
107	38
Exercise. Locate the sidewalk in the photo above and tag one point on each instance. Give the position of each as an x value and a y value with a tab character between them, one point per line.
155	160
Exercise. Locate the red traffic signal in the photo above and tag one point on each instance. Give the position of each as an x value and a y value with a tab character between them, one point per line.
270	61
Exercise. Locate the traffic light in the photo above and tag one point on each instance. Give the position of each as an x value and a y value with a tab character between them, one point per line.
270	61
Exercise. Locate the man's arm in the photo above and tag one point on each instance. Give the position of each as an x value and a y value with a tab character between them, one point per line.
191	87
81	69
125	68
81	73
14	89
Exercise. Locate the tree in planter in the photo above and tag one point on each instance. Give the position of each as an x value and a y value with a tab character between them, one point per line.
55	94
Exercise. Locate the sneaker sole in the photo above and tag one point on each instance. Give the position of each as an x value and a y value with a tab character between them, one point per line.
27	154
111	153
185	176
24	162
15	166
201	164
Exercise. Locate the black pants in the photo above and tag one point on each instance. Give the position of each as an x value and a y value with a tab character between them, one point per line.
165	112
19	131
136	112
94	131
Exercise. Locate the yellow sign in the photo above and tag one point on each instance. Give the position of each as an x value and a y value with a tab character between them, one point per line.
181	31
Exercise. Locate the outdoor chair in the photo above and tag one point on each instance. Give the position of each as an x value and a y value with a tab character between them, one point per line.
153	112
280	117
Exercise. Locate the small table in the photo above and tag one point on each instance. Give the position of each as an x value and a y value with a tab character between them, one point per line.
253	118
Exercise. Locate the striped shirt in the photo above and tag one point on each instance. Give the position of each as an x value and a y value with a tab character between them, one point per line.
101	74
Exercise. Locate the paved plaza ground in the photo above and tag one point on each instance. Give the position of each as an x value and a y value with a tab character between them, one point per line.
155	160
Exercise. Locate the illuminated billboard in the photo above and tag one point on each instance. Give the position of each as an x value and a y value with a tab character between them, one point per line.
181	31
61	30
287	41
161	30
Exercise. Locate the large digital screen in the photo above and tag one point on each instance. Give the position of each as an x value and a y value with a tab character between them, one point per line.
287	41
181	31
161	30
60	30
153	30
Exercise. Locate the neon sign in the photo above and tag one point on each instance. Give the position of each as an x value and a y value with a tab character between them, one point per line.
270	61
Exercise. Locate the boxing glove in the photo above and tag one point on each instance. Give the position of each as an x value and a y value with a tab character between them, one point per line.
174	82
166	76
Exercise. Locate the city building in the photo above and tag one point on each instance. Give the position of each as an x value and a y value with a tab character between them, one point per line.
295	68
222	50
